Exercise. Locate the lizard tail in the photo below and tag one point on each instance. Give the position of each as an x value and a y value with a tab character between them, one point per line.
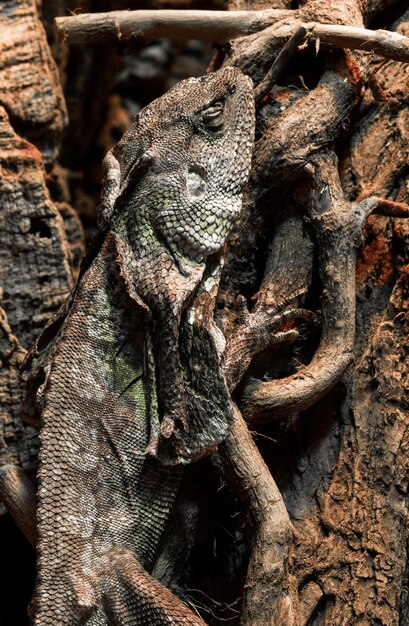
134	598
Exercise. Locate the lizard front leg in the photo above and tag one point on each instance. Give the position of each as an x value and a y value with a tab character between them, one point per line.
256	331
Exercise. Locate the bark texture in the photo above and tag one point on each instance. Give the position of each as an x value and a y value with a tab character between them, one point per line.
301	518
35	273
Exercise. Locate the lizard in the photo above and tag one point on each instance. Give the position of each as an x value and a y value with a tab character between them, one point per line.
126	376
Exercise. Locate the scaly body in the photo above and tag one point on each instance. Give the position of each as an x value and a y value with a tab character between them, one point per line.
127	376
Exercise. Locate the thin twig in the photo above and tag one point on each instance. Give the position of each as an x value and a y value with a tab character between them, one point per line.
279	65
384	42
382	206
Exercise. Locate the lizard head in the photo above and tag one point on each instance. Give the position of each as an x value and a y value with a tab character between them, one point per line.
184	162
173	189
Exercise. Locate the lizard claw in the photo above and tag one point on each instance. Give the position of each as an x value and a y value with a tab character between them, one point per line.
260	330
242	309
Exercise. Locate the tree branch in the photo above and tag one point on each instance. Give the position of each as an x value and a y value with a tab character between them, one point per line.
19	497
382	206
268	595
280	63
220	27
388	44
337	226
216	26
337	229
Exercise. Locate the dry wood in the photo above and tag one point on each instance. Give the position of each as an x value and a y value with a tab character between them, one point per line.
35	274
269	597
385	43
288	144
342	466
29	84
278	398
18	443
337	227
381	206
220	27
279	65
32	226
217	26
21	499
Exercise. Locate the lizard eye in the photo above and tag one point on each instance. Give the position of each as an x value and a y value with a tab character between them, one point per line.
212	117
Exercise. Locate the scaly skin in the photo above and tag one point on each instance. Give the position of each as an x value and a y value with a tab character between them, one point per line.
128	367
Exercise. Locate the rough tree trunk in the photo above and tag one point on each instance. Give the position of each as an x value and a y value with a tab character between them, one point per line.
309	526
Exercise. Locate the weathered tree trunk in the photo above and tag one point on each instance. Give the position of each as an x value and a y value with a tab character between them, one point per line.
309	526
